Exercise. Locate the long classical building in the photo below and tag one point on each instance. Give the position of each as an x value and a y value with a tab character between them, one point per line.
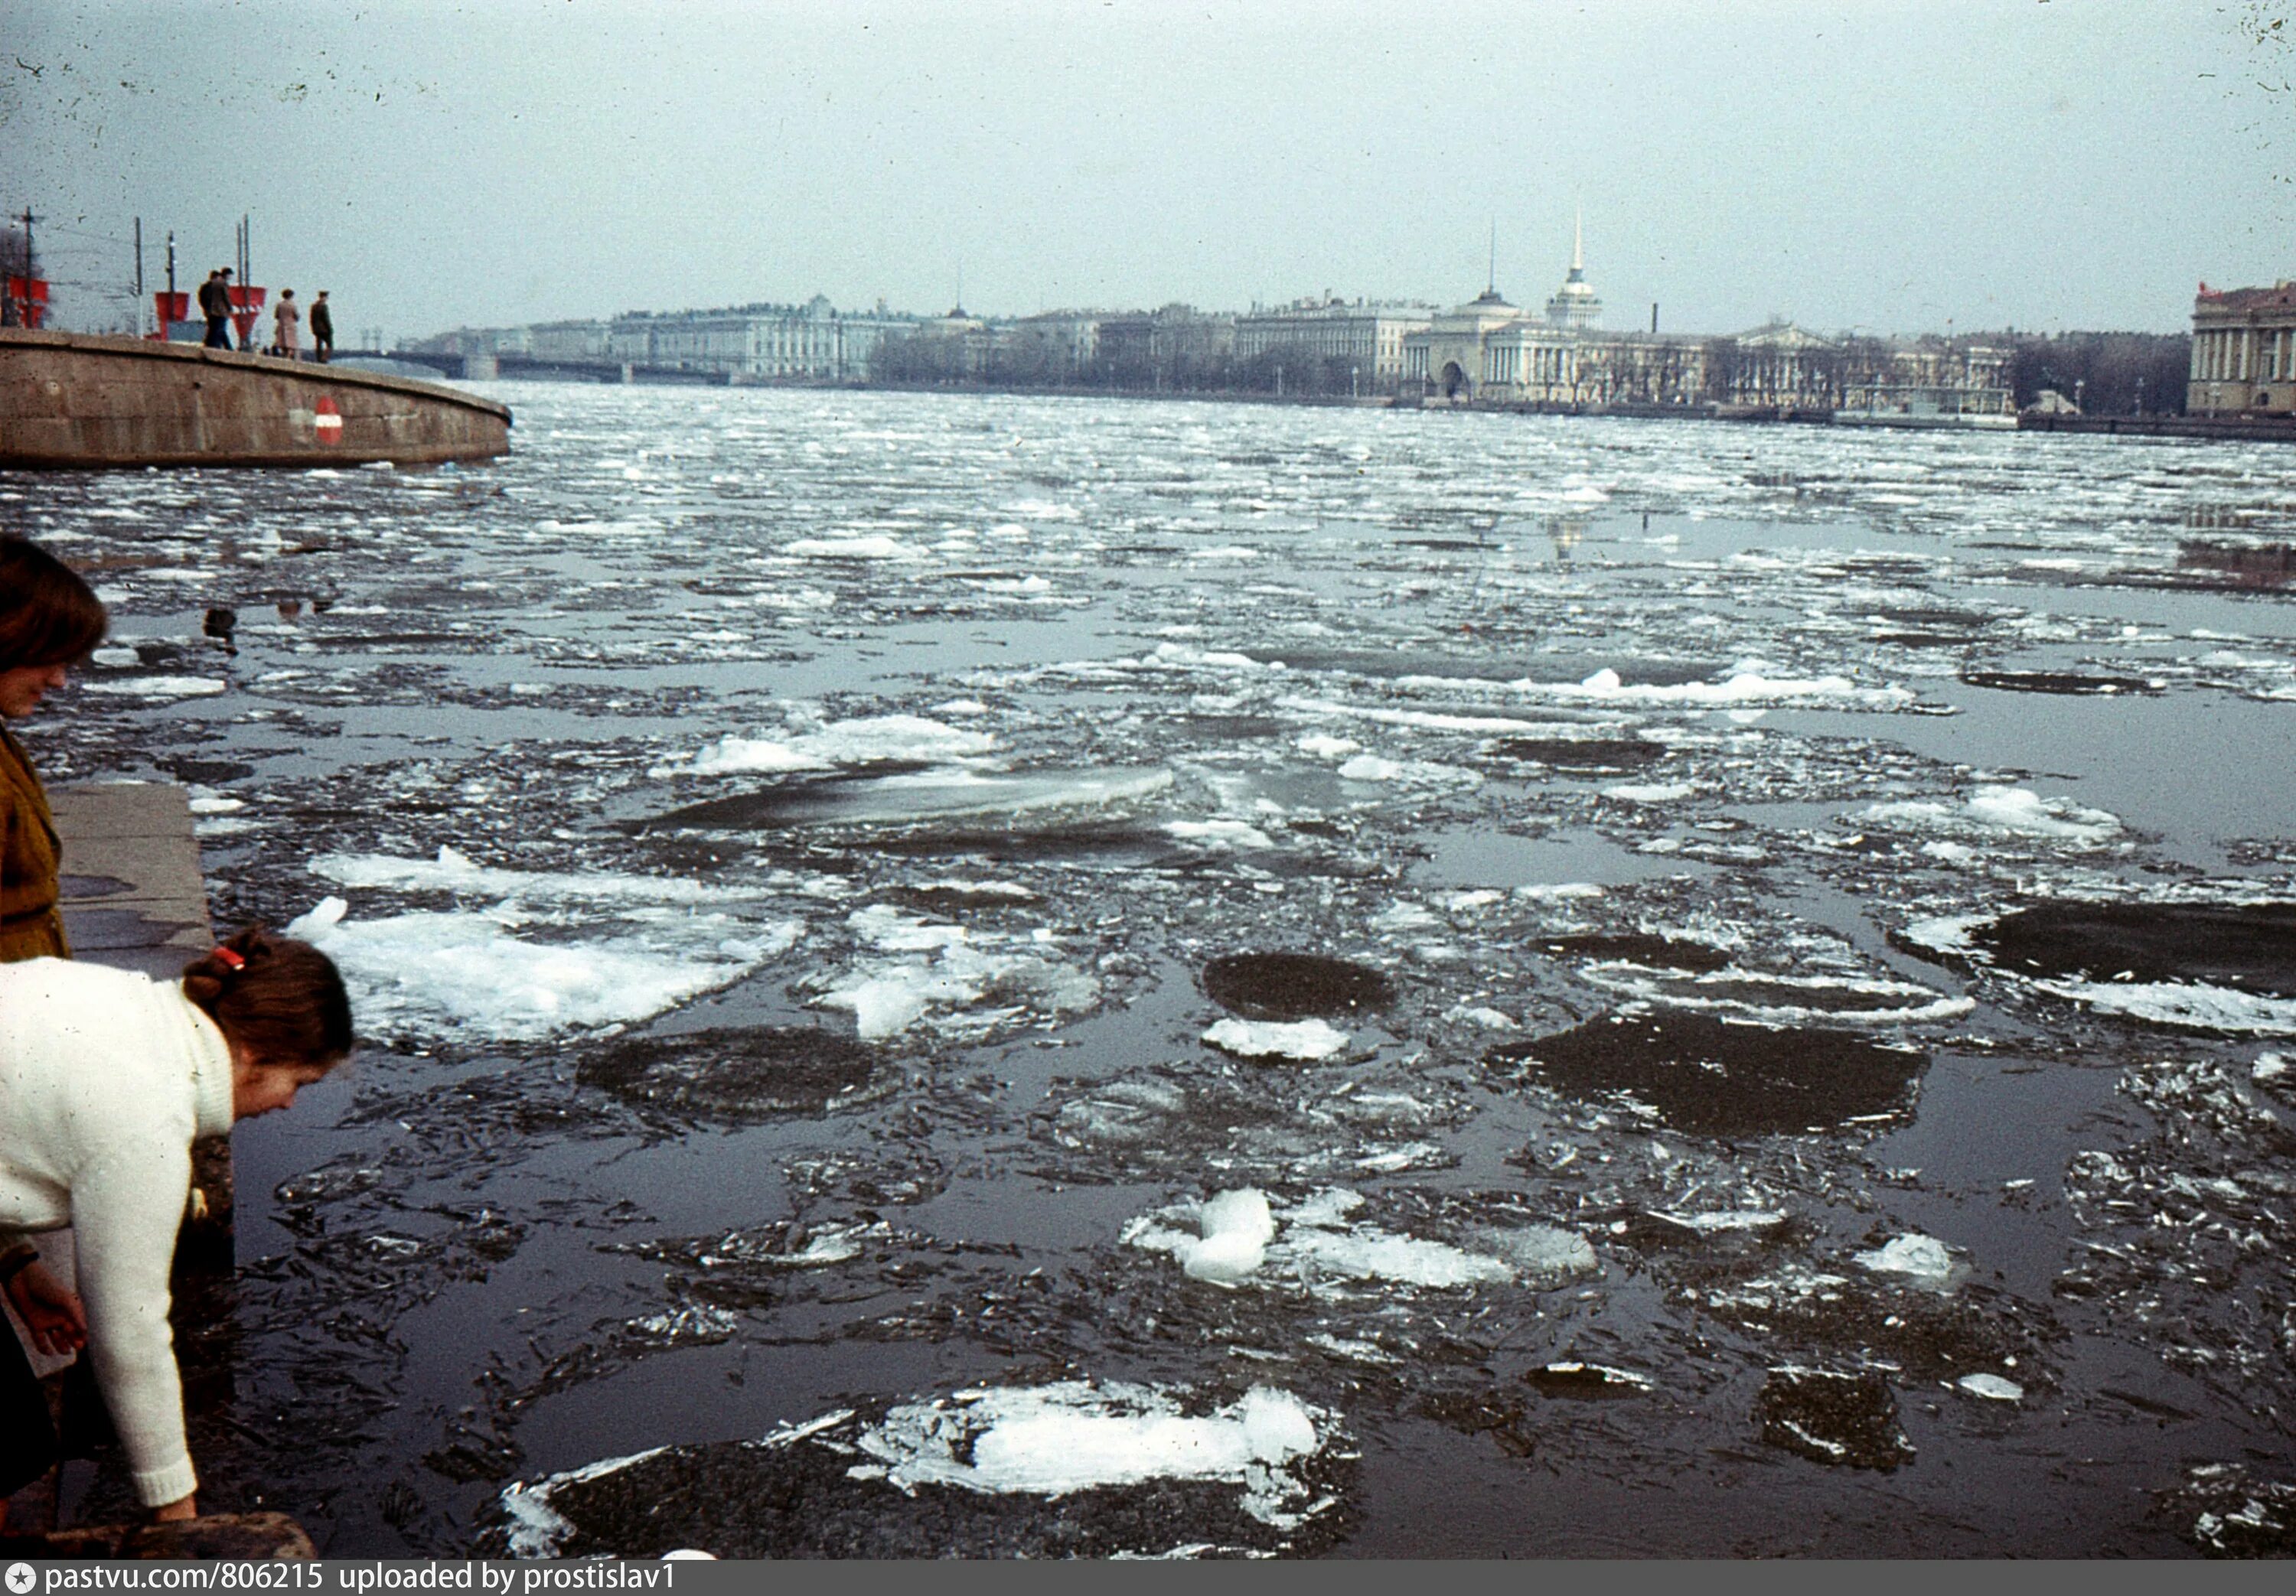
812	342
2244	351
1490	352
1367	337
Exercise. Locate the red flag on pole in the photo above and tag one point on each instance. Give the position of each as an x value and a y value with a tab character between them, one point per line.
30	295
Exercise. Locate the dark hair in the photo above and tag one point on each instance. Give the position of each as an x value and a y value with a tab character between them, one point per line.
47	615
283	1001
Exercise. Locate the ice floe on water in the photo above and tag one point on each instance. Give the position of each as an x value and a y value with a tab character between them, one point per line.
454	871
933	968
156	687
869	740
944	793
464	978
2002	811
2190	964
1074	1435
1748	684
1782	1000
1306	1041
2192	1005
1920	1259
1312	1244
1076	1468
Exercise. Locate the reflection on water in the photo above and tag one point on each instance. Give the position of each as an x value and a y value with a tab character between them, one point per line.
2242	565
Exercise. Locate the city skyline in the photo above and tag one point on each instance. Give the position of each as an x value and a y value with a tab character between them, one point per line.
1887	168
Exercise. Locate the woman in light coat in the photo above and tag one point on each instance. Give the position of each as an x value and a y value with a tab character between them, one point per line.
106	1077
285	322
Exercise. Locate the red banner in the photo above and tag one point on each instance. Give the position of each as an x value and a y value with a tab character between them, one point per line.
30	295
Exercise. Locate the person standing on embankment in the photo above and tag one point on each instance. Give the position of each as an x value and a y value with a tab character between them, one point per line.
50	620
285	320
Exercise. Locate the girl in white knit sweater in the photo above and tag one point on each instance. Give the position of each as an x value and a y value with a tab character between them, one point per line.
106	1077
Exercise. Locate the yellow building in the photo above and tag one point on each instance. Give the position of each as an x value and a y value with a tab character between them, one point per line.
2244	351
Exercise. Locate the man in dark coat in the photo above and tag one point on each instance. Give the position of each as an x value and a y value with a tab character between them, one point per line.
323	328
215	303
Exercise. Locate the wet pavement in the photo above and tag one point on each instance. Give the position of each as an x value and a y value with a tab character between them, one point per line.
1732	978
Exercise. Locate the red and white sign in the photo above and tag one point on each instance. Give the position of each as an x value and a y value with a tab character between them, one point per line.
327	420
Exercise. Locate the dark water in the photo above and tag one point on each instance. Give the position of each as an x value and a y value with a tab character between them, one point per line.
867	817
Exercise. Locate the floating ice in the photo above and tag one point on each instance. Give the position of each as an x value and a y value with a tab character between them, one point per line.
1368	1254
1653	793
2194	1005
1305	1039
1226	833
1922	1259
1723	1219
2267	1068
1992	1388
454	871
537	1529
1744	686
2014	810
888	997
1541	1252
1315	1242
458	974
1778	999
866	740
1237	1228
1073	1435
849	548
157	687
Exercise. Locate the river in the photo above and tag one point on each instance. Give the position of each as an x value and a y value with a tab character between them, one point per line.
1001	975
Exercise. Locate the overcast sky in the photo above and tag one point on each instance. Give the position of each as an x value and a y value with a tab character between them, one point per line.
1882	165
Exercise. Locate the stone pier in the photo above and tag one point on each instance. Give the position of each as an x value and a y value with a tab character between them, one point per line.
134	897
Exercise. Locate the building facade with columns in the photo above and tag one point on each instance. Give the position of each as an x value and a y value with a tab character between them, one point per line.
2244	351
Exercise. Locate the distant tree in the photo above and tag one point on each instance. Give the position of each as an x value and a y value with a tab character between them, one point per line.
2109	372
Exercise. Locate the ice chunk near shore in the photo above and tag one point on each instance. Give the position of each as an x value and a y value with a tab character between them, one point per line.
537	1529
446	973
1306	1040
454	871
1921	1260
156	687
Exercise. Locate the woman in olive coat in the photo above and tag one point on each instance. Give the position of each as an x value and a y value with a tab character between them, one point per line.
49	621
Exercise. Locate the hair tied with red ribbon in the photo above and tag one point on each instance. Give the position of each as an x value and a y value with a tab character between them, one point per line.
231	959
